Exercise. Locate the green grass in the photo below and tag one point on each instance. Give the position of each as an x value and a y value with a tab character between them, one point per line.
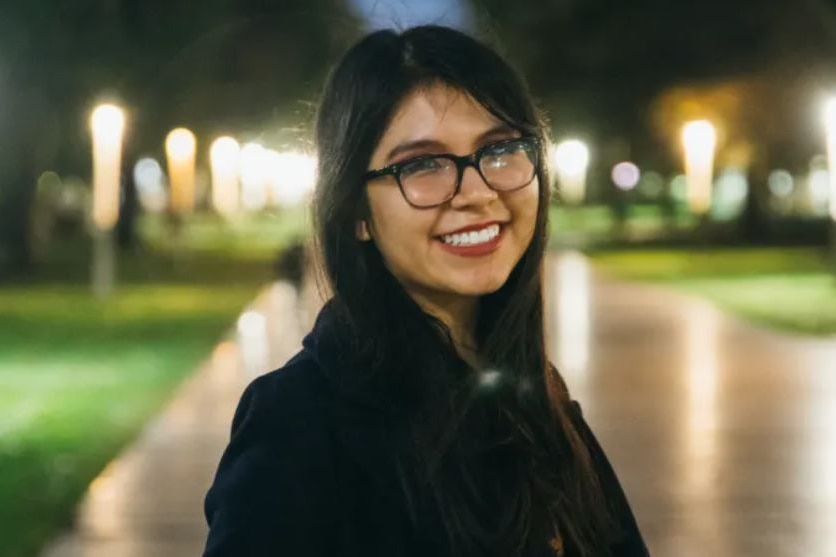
590	224
253	236
787	289
79	378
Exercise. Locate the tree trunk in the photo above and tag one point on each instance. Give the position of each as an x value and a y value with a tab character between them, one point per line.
15	219
754	222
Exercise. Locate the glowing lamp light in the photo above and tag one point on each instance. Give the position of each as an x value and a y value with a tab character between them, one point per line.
275	176
780	183
730	198
830	128
251	323
49	185
225	158
149	180
180	148
255	172
107	123
699	138
253	341
679	188
651	184
625	175
818	188
293	176
570	159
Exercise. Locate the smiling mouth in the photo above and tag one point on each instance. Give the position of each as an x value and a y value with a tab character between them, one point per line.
472	237
487	231
474	243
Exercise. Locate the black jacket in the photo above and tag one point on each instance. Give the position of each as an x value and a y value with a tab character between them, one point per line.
309	472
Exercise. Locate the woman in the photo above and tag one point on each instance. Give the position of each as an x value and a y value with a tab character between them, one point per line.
421	416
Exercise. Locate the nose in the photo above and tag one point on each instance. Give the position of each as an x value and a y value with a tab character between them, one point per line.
473	190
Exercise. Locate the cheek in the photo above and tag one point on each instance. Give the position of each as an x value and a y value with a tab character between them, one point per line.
400	231
523	208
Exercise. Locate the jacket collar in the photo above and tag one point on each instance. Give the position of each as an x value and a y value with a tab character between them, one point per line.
363	424
330	344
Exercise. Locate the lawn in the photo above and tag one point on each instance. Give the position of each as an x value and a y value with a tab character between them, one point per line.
79	378
787	289
594	224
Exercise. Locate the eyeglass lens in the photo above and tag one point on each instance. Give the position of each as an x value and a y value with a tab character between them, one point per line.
433	180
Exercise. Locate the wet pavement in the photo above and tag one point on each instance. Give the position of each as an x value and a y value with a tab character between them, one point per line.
723	435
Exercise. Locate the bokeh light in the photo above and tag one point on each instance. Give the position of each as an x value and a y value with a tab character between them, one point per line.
818	191
730	194
108	124
699	138
625	175
780	183
180	146
570	159
651	185
679	188
293	175
150	185
225	159
255	173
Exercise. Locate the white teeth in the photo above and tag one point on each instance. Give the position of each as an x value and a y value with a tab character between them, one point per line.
472	238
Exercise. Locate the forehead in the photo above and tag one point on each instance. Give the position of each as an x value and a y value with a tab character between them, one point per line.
438	111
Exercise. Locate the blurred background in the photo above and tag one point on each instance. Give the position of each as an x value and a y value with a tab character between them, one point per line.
156	165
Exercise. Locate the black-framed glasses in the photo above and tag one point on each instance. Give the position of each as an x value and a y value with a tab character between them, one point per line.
431	180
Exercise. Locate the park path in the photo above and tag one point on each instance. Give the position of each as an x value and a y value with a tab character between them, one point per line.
723	434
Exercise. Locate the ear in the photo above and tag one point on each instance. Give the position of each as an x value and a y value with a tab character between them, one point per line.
362	231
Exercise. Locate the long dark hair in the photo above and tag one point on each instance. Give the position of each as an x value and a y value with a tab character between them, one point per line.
495	450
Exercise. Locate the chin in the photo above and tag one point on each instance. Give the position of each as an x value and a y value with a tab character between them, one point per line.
479	287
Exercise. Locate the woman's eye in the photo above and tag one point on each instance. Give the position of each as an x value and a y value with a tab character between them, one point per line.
422	166
495	161
498	156
511	148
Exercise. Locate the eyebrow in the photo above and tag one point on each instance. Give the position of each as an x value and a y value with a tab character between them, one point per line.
499	129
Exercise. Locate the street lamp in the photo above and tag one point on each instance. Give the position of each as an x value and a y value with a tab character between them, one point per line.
225	155
293	175
107	123
255	162
149	181
180	146
570	159
699	138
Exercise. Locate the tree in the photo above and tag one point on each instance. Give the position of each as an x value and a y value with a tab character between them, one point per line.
214	65
606	60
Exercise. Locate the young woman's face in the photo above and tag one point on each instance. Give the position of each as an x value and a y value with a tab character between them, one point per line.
434	120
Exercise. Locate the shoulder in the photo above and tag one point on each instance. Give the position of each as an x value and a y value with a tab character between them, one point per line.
286	411
274	482
296	390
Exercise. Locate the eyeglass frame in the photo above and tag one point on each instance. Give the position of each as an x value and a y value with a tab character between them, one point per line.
461	162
